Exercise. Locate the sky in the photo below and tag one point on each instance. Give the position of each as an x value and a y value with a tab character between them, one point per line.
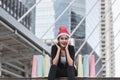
91	22
116	27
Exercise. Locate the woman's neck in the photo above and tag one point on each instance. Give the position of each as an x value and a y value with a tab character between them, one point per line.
62	48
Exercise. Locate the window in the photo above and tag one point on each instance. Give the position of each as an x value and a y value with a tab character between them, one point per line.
102	4
102	0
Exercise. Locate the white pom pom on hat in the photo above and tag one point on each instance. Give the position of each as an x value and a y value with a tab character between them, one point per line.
62	31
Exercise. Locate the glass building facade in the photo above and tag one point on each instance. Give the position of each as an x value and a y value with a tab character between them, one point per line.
77	14
44	19
59	7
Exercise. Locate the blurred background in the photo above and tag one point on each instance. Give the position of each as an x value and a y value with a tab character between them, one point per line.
28	28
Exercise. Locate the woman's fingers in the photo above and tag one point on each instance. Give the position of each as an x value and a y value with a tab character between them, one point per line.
68	43
56	44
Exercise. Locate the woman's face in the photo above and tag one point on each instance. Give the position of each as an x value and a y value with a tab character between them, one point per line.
63	40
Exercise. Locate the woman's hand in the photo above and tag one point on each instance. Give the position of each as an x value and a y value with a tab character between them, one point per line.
57	45
55	60
69	59
67	45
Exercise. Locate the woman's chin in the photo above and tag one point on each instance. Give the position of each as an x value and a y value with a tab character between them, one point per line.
63	46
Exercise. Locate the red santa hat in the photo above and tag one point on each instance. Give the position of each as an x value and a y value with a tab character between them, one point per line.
62	31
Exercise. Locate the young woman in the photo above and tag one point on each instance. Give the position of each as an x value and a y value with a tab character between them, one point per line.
62	54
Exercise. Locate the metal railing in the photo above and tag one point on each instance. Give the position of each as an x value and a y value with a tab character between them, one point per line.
16	9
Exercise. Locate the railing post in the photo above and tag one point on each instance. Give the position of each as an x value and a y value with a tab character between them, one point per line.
0	65
16	9
1	48
0	3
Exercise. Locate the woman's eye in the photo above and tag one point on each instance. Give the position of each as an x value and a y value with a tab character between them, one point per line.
62	38
66	38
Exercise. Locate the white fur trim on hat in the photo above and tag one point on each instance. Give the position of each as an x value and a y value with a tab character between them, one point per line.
62	34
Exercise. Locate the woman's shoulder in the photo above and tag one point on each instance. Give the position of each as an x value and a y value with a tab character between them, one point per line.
54	46
71	46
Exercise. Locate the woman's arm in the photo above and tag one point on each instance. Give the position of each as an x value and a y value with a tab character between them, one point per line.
69	59
56	57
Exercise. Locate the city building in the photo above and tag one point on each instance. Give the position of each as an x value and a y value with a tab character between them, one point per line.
77	13
59	7
44	20
107	39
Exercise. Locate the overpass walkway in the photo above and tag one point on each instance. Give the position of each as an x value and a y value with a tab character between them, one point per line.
64	78
17	43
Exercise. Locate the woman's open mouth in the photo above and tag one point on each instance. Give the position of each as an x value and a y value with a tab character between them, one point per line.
64	44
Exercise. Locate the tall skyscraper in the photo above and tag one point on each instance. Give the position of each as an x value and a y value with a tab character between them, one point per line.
77	13
44	19
106	35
